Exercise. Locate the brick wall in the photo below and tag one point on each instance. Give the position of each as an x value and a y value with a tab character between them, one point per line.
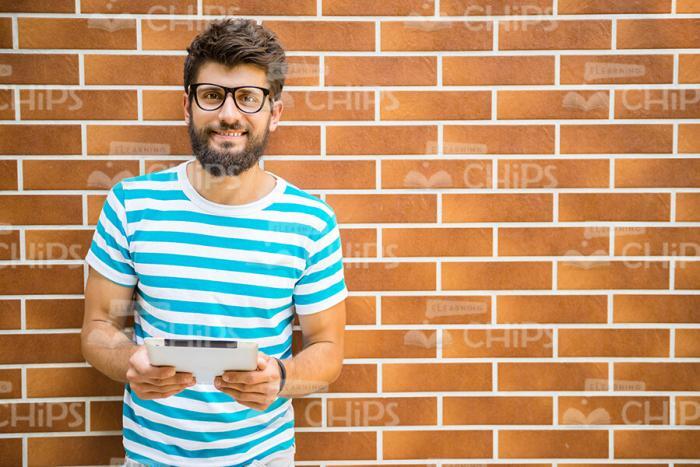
518	199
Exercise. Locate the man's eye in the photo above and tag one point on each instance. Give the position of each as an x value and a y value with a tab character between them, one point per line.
212	95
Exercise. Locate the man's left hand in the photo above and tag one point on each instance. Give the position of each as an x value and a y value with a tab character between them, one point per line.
256	389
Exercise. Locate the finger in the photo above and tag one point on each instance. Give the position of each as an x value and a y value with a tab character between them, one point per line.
158	372
262	388
145	387
181	378
245	377
262	361
245	397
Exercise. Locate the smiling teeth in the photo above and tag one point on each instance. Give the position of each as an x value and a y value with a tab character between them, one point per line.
228	133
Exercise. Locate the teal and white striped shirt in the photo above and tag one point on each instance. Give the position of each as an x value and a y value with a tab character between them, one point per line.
211	271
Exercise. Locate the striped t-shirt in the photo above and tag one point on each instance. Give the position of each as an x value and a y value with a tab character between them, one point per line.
205	270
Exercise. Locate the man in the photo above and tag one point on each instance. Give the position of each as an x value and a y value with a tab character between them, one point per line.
217	248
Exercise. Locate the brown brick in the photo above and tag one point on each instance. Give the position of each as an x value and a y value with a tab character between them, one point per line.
361	310
659	376
370	140
41	348
389	344
294	140
62	104
336	445
307	412
662	173
390	276
497	410
556	444
9	315
106	415
553	173
499	139
550	241
657	444
497	208
40	209
42	417
77	33
431	173
60	244
351	209
41	279
131	139
9	244
554	34
133	69
532	376
70	382
494	7
402	377
384	411
658	241
74	450
617	69
616	139
687	6
687	275
37	6
76	175
324	35
374	8
436	35
687	343
7	104
588	7
359	243
613	343
496	343
252	7
8	176
445	309
656	308
614	207
6	33
657	103
687	412
11	451
552	309
328	105
380	71
41	139
689	68
657	33
54	313
486	275
589	275
170	34
553	104
501	70
325	175
356	378
10	385
151	7
687	207
436	242
613	410
38	69
435	105
437	444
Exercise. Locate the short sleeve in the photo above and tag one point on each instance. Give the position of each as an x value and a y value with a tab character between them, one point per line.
323	283
109	251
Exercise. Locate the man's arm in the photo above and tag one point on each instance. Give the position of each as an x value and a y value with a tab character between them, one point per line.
320	362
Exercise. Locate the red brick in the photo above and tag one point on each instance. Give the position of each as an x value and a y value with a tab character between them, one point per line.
614	207
380	71
554	34
497	208
497	70
483	275
77	33
553	104
498	139
436	35
657	33
552	309
617	69
324	35
616	139
553	444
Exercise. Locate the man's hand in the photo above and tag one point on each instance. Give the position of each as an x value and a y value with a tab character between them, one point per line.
155	382
256	389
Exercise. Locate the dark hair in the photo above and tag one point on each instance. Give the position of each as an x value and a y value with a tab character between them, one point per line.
234	41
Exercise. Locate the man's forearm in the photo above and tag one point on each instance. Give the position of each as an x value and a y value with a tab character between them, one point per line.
107	349
312	370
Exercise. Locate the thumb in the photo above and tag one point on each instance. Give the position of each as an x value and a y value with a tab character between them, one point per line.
262	361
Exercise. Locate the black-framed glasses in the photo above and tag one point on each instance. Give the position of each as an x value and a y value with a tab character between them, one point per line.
248	99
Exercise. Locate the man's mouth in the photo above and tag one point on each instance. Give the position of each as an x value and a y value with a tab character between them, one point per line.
229	135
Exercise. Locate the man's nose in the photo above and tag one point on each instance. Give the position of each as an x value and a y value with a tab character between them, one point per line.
228	112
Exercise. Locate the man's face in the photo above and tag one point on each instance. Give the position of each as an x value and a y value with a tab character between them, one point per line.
220	152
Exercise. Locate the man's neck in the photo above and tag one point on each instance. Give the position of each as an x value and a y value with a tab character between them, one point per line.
247	187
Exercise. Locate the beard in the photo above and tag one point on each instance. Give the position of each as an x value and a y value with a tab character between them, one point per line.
227	162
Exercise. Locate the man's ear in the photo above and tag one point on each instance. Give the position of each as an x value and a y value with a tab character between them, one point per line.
185	102
277	108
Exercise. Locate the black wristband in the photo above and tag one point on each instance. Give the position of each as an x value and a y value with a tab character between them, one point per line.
283	374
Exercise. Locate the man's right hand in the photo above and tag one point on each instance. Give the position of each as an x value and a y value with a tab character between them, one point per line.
155	382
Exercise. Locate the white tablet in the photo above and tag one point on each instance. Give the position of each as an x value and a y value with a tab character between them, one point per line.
205	359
